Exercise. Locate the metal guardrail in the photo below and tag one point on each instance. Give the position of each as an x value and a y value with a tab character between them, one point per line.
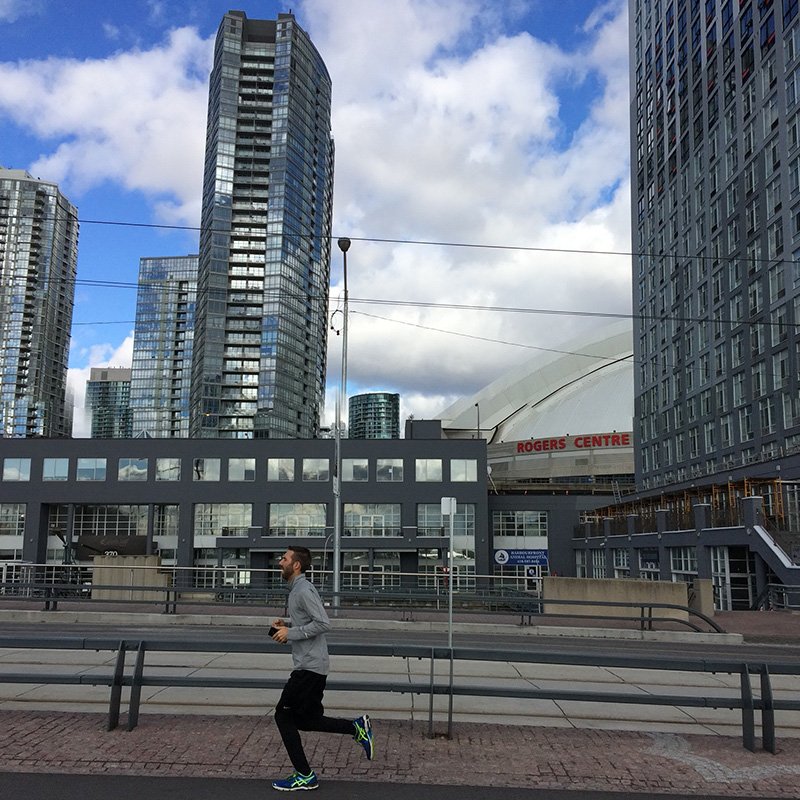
529	607
745	700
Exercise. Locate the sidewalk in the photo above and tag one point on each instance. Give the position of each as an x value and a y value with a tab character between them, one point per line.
487	754
478	755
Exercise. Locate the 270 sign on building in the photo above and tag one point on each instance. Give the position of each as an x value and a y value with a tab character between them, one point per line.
586	441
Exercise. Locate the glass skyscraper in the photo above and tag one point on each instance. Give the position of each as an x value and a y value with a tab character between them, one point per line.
261	324
374	415
163	346
108	399
38	260
715	135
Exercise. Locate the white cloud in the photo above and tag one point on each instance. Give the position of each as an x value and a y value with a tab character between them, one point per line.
448	128
12	10
465	144
135	118
101	355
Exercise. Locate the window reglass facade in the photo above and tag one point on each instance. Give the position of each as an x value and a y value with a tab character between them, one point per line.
355	469
91	469
206	469
389	470
463	469
280	469
372	519
241	469
297	519
55	469
168	469
132	469
222	519
316	469
16	469
429	469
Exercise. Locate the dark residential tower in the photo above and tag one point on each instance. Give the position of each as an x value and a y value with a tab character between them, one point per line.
715	158
38	262
261	319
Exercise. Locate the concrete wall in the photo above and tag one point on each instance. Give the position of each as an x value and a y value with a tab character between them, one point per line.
622	590
128	571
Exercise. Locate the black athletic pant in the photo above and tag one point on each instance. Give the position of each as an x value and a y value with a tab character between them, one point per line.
300	709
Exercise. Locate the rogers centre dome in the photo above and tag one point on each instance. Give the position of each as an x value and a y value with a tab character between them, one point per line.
557	398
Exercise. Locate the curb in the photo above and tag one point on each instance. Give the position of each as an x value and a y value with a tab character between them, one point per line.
231	621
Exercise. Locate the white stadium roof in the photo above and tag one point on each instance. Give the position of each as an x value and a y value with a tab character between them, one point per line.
586	386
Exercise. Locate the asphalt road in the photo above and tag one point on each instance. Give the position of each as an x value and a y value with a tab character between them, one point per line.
492	638
29	786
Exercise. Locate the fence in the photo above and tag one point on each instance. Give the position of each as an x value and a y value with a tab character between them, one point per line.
55	586
141	675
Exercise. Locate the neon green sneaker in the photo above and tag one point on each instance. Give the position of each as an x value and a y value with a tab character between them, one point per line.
296	782
364	736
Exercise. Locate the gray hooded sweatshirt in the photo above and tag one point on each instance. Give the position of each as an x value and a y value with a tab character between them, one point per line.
308	624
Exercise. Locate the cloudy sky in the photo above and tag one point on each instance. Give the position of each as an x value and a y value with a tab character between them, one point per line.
482	169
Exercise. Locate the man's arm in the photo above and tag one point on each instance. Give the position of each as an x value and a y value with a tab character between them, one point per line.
311	604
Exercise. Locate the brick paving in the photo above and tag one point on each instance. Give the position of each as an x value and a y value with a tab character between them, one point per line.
477	755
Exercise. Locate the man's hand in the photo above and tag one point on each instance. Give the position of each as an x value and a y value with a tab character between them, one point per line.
281	631
281	634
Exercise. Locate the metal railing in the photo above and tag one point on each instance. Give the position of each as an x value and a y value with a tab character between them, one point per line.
745	699
529	607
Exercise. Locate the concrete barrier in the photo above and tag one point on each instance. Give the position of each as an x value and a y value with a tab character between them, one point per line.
125	572
613	590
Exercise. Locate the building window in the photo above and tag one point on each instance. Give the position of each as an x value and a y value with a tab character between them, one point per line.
91	469
519	523
280	469
429	469
649	564
372	519
430	522
241	469
110	520
389	470
132	469
168	469
316	469
16	469
463	469
55	469
222	519
622	567
297	519
206	469
683	563
598	563
12	519
355	469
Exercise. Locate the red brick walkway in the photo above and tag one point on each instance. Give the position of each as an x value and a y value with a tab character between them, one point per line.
478	755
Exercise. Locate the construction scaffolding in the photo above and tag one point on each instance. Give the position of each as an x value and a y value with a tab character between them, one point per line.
781	503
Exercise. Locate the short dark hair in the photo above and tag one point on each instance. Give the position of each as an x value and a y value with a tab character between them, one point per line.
302	555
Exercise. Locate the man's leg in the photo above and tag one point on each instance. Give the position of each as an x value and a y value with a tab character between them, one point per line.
300	701
360	729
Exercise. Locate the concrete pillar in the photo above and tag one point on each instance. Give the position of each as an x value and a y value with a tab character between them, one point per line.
752	511
630	520
662	520
151	509
34	538
703	561
702	516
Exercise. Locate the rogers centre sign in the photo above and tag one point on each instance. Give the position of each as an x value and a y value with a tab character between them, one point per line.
586	441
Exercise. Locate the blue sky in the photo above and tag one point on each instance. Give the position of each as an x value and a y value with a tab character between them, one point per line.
455	121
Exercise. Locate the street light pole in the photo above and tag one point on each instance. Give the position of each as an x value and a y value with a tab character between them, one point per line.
341	403
478	412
